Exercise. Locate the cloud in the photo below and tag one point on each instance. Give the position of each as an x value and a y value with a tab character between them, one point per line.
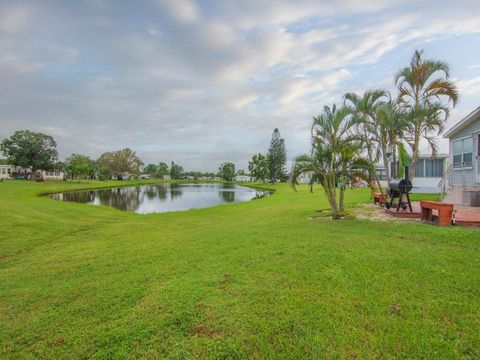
469	86
199	82
181	10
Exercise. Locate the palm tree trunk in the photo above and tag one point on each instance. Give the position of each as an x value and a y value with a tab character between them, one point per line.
331	193
416	145
342	198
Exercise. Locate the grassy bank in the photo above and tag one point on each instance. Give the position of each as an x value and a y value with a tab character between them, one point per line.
246	280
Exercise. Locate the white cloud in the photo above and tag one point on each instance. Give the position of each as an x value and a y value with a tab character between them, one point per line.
15	18
469	86
181	10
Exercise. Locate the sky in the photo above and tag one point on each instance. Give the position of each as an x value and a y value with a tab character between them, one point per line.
203	82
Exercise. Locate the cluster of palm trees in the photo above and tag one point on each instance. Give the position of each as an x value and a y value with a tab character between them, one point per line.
348	141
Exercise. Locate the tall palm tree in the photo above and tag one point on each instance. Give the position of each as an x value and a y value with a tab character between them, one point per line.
425	95
335	156
364	111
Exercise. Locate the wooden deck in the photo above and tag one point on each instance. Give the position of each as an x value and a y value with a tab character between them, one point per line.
464	215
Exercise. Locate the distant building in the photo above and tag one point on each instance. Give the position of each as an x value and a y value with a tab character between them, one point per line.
53	175
304	178
8	171
428	172
243	178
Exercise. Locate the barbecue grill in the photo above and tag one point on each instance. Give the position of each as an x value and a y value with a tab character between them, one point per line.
400	189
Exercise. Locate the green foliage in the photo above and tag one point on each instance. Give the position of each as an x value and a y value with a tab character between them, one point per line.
364	111
176	171
425	97
258	167
227	171
151	169
104	173
30	149
277	158
120	161
163	169
335	156
80	167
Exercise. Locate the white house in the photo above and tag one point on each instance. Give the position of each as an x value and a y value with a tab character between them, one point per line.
6	171
243	178
464	150
461	183
429	171
53	175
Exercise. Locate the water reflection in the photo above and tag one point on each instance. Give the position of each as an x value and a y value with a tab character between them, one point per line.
227	196
163	197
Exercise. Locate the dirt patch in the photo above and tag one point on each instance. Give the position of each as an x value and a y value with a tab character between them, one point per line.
376	213
203	330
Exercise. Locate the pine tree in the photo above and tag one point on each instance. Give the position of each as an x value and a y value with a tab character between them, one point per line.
277	158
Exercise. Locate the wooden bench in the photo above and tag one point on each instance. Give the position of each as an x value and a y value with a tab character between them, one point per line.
379	198
445	212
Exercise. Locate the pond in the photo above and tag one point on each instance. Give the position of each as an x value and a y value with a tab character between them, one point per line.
158	198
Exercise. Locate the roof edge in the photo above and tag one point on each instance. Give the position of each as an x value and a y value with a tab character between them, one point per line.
462	123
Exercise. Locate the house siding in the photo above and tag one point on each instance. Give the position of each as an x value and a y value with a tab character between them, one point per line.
467	176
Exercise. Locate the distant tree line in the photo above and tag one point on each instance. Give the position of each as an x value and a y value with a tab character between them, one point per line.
37	151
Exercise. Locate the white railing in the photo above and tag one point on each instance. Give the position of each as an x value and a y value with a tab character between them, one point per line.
445	183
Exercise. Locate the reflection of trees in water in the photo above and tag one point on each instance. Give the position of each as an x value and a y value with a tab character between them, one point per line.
175	191
81	197
156	191
227	196
130	198
121	198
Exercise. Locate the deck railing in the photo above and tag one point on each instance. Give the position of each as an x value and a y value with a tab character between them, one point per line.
445	183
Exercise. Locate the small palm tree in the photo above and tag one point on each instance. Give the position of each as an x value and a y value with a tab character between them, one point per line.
425	95
335	156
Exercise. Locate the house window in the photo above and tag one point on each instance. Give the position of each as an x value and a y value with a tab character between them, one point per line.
478	145
433	167
381	174
3	170
463	152
419	166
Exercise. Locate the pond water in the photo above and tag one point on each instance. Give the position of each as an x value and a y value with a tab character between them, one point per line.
157	198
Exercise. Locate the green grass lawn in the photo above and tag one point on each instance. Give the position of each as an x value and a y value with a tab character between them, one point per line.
246	280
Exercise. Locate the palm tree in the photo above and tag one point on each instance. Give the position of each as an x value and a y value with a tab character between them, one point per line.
364	111
390	127
335	156
425	93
